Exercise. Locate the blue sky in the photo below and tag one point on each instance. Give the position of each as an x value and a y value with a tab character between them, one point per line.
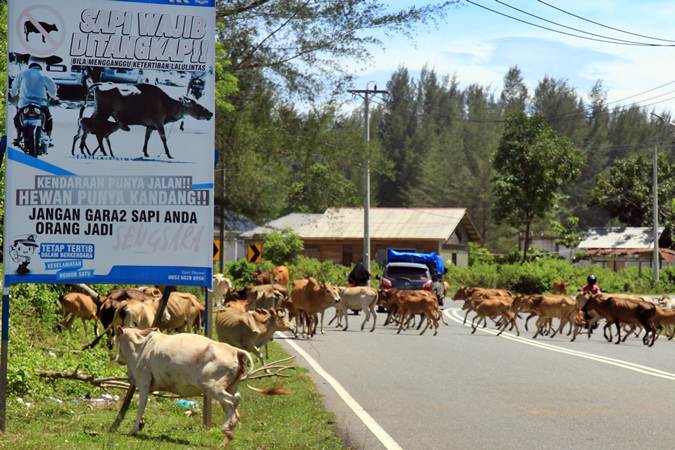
479	46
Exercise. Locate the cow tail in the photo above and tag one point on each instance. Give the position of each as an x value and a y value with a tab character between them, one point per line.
274	390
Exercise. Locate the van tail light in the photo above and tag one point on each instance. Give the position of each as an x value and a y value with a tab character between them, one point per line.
386	283
428	285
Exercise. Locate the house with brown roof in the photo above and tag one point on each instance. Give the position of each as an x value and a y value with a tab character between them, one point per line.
620	247
337	234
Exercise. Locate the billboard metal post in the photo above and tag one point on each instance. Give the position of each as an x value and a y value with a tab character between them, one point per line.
73	218
208	320
3	360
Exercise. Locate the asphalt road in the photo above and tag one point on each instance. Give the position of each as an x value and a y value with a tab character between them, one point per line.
458	390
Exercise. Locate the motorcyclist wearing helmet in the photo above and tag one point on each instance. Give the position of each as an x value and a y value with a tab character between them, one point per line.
591	286
33	88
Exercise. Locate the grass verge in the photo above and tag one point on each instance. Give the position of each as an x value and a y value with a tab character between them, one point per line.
59	418
296	421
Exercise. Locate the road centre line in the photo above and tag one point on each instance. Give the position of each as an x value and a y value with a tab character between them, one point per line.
454	315
361	413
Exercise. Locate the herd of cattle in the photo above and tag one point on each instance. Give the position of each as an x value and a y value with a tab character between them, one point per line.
630	313
245	320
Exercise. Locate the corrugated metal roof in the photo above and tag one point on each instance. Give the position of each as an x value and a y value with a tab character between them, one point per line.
388	223
292	220
625	237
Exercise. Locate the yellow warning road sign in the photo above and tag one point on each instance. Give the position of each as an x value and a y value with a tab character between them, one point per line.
254	252
216	250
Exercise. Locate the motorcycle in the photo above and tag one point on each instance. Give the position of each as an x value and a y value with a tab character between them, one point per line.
196	87
34	140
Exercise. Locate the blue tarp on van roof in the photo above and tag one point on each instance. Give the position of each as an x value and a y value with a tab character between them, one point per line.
432	260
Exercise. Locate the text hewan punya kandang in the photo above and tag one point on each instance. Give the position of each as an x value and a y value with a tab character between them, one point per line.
144	36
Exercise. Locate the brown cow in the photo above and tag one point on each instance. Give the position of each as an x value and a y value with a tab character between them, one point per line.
548	307
280	275
474	295
312	298
416	302
75	305
617	310
266	295
183	308
496	306
559	287
250	329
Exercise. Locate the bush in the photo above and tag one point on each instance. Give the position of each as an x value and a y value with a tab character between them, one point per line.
538	276
282	248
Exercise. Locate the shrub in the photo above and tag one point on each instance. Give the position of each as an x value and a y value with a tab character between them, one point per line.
282	248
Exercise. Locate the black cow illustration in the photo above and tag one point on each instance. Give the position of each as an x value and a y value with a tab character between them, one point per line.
29	27
146	105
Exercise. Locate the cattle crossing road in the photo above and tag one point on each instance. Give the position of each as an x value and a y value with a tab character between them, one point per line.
458	390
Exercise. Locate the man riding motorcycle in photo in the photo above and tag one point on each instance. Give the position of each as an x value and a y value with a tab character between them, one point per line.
33	88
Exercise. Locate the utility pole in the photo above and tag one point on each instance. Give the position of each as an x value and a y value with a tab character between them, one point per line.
365	94
655	185
656	214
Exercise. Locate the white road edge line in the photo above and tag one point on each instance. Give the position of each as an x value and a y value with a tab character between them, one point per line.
453	315
361	413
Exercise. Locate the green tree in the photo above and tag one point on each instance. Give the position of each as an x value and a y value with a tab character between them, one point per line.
625	190
322	188
282	248
305	46
514	95
531	165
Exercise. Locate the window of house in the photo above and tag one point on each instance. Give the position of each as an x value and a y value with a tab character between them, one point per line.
312	251
454	259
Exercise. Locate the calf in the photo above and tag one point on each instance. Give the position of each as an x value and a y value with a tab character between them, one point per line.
357	298
75	304
183	364
101	128
549	307
472	296
411	303
250	329
495	307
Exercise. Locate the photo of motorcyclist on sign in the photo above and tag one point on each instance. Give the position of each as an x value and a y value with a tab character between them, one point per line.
33	121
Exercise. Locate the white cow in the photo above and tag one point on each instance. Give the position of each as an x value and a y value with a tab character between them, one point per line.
221	284
357	298
184	364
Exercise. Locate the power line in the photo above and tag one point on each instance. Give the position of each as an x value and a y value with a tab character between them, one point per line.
641	93
602	25
572	28
569	34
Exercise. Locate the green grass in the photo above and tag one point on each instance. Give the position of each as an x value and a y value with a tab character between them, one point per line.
296	421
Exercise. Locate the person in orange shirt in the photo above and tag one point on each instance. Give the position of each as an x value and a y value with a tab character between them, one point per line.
591	286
